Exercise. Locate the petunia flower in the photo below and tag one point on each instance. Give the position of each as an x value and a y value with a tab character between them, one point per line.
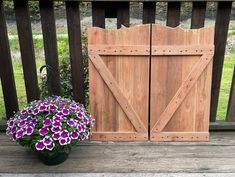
64	134
71	122
47	122
29	119
56	129
47	140
57	124
40	145
19	133
51	146
56	136
65	111
56	118
74	135
35	111
42	108
79	115
53	107
62	142
68	140
43	131
29	130
24	111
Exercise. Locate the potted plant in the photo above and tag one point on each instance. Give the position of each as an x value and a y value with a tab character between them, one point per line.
50	126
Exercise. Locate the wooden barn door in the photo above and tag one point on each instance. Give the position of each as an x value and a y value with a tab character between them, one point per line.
119	82
181	70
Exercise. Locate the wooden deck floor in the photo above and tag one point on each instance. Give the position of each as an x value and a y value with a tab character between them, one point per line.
216	156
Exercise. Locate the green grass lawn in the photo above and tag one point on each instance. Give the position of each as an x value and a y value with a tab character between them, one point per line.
63	46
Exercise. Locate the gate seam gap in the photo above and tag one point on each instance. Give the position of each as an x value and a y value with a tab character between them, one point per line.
149	94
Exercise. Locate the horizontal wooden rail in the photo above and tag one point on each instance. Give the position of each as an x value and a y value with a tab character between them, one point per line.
156	50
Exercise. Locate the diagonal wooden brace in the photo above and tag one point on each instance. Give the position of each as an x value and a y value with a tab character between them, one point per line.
180	95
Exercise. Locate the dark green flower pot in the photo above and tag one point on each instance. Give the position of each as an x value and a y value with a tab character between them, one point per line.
54	158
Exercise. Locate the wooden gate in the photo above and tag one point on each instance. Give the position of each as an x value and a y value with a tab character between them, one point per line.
119	82
176	67
181	70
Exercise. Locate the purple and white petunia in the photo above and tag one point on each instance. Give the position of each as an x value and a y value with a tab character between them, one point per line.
71	122
74	135
47	140
43	131
58	121
40	145
51	146
64	134
79	115
47	122
62	142
56	136
53	107
56	129
42	108
65	111
20	133
29	130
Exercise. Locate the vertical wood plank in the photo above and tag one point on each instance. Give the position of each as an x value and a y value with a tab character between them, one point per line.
231	103
221	31
198	15
123	14
26	49
173	14
75	46
98	14
149	11
6	70
50	43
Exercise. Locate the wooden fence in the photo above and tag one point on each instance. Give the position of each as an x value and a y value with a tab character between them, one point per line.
100	11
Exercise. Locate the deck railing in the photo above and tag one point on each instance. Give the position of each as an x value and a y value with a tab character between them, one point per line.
100	11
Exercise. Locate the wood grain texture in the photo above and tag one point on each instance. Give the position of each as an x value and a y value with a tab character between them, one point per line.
50	43
231	103
127	72
168	73
6	70
75	47
198	15
215	156
182	92
149	12
173	14
27	49
221	31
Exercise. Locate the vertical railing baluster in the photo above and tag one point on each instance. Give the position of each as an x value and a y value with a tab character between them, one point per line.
27	49
6	69
221	31
149	11
231	103
98	14
50	43
75	46
198	15
173	14
123	14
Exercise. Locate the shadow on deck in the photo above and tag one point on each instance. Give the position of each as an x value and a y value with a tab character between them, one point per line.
216	156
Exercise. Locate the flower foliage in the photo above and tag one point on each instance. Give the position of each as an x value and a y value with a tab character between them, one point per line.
50	124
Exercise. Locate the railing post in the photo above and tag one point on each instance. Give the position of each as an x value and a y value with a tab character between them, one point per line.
221	31
6	70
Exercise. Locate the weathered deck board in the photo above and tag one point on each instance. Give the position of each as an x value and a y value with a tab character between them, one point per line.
216	156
